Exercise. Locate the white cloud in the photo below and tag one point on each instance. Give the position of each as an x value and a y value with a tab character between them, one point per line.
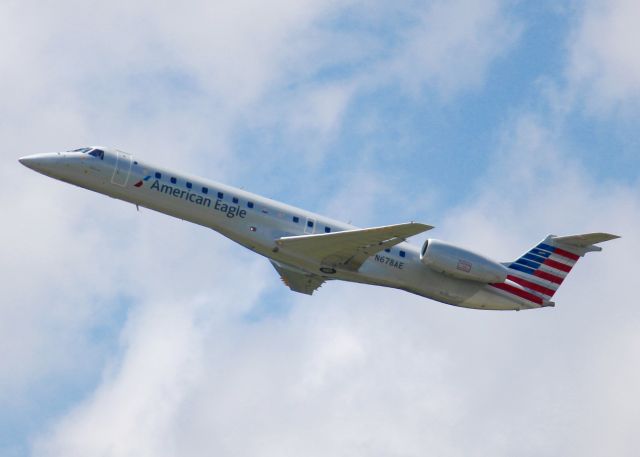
604	62
453	45
440	48
353	370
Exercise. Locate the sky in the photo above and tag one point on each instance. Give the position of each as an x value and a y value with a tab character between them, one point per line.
128	333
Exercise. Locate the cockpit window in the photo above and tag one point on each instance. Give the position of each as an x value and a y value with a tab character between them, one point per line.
83	150
99	153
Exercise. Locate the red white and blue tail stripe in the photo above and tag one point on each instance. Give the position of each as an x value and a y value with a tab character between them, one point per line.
543	269
538	273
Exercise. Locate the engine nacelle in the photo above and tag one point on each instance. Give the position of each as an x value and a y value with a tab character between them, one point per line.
461	263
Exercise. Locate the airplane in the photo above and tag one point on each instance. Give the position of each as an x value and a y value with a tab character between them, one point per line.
308	249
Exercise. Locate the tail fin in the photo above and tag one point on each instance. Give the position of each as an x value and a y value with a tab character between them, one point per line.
543	268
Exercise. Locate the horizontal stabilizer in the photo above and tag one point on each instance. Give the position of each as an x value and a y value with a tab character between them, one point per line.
350	248
585	240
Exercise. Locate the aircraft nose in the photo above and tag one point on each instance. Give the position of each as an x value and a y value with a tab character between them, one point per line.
42	163
29	161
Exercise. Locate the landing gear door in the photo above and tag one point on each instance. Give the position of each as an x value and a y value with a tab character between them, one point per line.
122	169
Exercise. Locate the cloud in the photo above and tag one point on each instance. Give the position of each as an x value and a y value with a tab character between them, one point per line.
139	326
422	50
604	63
453	45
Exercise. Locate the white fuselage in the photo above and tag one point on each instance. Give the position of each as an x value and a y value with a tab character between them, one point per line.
256	222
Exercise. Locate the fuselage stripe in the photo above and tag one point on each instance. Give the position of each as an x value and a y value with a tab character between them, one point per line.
540	252
552	271
535	279
566	261
546	247
558	251
567	254
528	263
518	292
524	269
557	265
531	285
548	277
535	258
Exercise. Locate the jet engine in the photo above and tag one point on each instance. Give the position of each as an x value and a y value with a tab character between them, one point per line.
461	263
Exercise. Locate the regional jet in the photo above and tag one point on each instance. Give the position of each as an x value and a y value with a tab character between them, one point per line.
308	249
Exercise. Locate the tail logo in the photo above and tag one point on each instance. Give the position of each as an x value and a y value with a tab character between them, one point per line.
537	274
548	263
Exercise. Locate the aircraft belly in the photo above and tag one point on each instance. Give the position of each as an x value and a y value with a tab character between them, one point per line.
420	280
485	299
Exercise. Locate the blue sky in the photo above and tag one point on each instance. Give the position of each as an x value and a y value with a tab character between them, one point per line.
129	333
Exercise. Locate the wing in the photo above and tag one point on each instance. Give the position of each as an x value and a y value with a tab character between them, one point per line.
350	248
297	280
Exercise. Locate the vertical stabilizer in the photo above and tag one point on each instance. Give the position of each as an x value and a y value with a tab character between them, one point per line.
543	268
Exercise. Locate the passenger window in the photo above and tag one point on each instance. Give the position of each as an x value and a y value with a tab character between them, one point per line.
205	190
189	185
402	254
309	224
250	204
158	175
173	180
235	199
327	229
296	219
387	250
220	195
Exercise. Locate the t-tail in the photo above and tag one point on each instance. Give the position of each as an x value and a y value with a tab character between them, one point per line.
540	271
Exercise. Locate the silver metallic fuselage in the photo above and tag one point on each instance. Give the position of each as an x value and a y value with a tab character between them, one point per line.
257	228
